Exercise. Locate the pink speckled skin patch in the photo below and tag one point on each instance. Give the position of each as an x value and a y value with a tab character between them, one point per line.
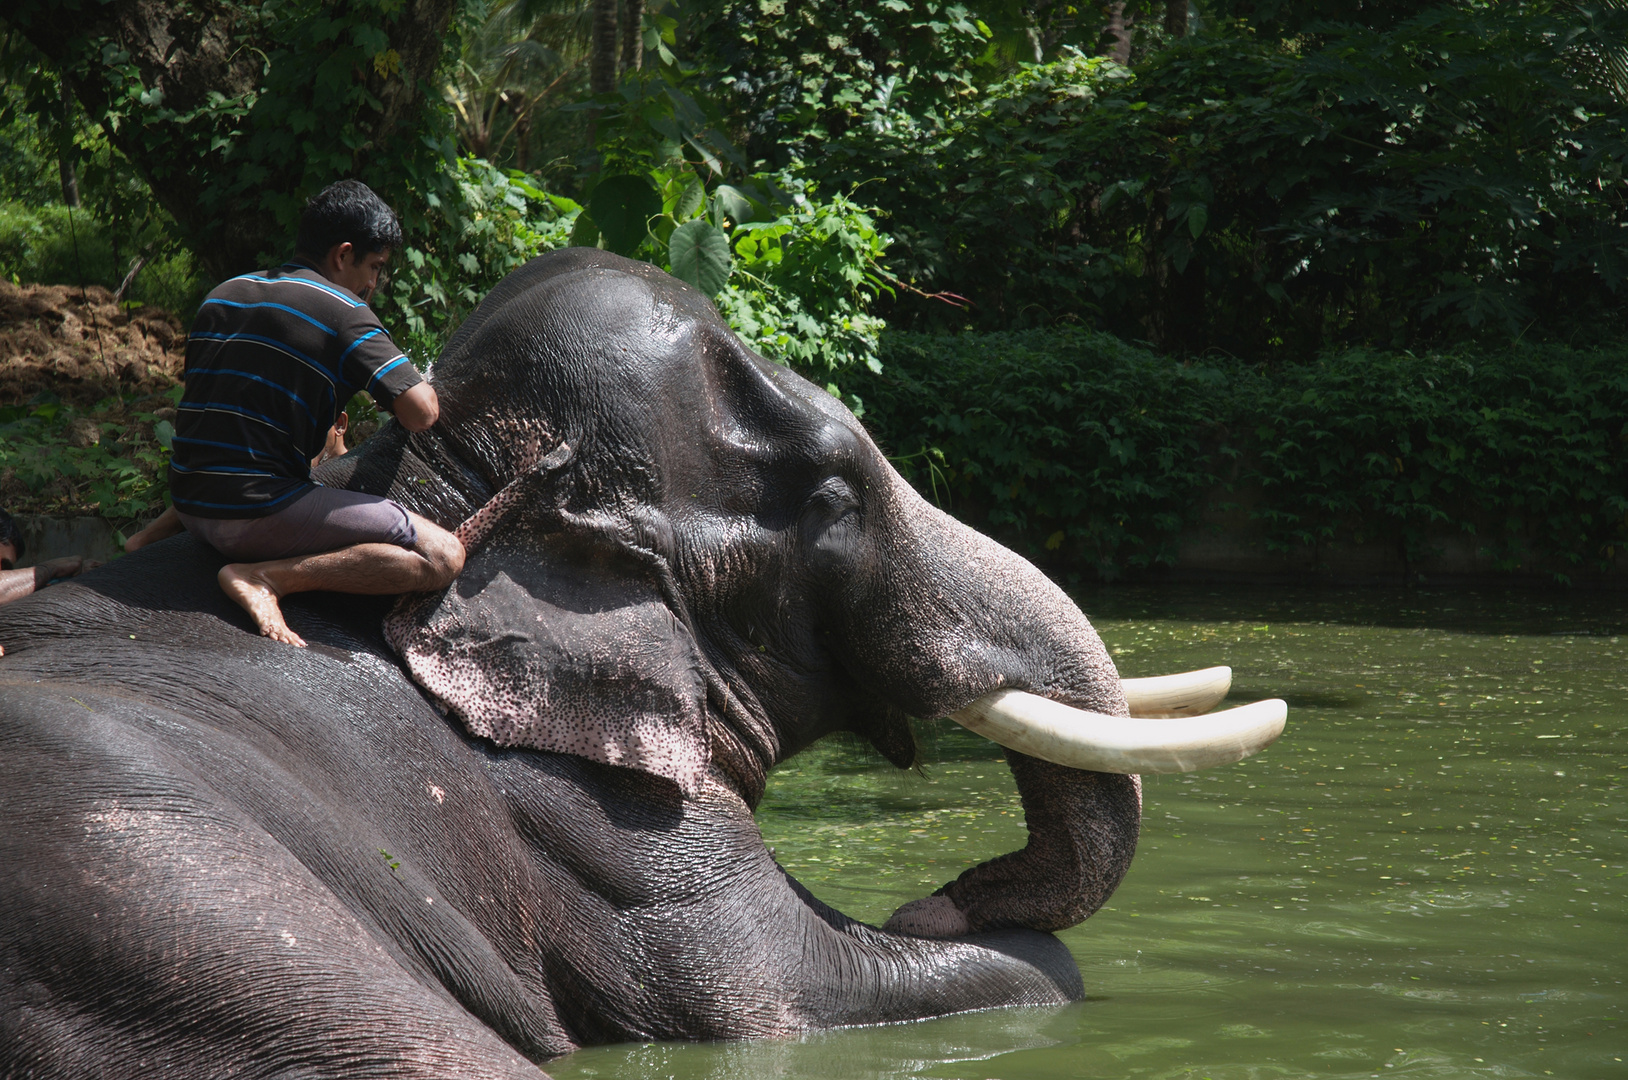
550	642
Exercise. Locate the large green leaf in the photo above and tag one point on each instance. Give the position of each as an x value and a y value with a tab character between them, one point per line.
734	204
699	254
622	207
584	233
687	199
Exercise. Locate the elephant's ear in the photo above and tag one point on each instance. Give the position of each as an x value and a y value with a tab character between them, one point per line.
554	643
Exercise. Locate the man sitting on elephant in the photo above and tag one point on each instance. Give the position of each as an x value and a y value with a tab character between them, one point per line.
271	362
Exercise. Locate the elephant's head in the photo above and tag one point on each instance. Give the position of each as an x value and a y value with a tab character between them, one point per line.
692	562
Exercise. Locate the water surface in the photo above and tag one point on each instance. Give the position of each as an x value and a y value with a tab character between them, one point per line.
1424	878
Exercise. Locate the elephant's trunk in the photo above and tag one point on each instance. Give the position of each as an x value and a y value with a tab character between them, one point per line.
1083	828
974	619
998	647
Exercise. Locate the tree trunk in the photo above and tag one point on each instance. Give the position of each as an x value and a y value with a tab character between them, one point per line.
188	52
522	138
602	60
1175	18
129	281
632	35
70	182
1119	32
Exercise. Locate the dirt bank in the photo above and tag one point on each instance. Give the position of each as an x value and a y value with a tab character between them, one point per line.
82	346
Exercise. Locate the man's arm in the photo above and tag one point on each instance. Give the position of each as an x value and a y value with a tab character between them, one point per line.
417	408
16	584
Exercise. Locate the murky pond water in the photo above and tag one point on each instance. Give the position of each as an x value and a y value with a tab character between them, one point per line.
1425	877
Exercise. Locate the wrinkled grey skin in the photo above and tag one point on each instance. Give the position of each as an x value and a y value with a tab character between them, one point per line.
224	856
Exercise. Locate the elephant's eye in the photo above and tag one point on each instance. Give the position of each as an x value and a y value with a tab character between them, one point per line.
833	503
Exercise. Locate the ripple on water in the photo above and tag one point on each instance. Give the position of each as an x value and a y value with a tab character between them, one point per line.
1349	932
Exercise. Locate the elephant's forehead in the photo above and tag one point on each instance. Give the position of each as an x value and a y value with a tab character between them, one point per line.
595	313
616	355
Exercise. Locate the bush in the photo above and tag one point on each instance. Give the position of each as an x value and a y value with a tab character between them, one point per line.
28	164
1068	442
800	289
118	231
1458	177
488	222
1527	450
1092	454
791	272
110	459
46	246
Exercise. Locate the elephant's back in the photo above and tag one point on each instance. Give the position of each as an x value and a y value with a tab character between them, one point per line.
328	742
164	875
140	769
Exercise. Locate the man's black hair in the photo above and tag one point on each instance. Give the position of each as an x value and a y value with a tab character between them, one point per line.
10	533
347	212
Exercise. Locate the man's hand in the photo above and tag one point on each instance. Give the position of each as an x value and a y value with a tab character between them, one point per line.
69	566
418	408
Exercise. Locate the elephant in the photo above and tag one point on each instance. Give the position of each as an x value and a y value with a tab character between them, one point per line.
463	833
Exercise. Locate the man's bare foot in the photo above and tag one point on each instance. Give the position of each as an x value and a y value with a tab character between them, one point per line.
258	598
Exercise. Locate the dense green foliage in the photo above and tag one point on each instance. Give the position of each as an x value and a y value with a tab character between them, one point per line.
1313	188
485	223
48	245
1268	188
1088	452
118	231
792	273
109	459
234	113
1460	176
799	77
1294	18
802	287
28	162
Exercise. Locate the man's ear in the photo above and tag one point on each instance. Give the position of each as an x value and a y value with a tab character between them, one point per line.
339	256
555	643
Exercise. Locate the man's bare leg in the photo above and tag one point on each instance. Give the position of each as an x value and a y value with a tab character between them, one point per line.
163	526
367	569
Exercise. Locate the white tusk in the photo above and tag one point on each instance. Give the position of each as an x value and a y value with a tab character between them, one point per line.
1062	734
1187	694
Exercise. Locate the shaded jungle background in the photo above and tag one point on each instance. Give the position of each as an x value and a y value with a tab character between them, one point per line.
1351	268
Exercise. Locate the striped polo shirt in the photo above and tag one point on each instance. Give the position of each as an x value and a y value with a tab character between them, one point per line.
271	360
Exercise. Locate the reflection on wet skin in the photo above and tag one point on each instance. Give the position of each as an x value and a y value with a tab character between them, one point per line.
1422	877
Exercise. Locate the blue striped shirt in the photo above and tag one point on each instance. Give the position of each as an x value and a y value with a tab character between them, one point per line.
271	360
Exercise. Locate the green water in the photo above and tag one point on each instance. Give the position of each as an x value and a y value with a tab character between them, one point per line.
1425	877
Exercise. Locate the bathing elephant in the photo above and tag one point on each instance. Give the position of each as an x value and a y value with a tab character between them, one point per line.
465	832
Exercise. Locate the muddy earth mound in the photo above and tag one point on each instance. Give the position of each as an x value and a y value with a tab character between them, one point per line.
83	346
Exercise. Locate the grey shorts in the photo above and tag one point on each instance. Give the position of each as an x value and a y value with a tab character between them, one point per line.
323	519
